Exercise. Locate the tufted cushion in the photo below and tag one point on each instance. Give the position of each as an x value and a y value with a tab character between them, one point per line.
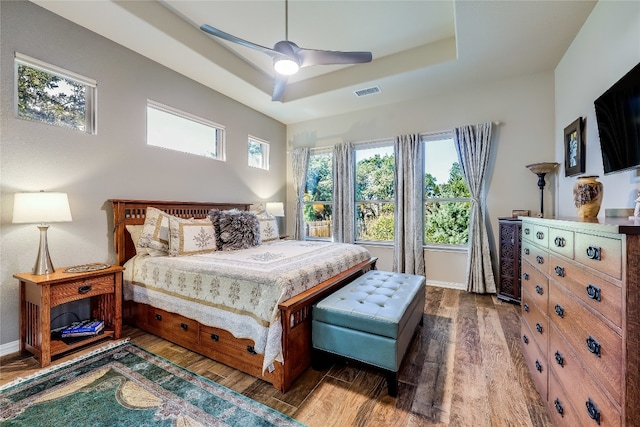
377	302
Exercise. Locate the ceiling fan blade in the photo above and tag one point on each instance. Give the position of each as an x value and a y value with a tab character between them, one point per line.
226	36
329	57
279	84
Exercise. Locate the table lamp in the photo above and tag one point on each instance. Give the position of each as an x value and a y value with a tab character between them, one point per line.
41	207
275	208
541	169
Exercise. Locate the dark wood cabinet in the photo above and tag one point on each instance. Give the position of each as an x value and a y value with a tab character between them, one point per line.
509	253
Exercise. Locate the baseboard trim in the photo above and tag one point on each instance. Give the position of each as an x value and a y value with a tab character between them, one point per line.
10	347
449	285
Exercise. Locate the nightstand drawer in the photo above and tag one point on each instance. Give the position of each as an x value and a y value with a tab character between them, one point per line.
82	288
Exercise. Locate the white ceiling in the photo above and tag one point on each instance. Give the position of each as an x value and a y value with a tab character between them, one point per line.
420	47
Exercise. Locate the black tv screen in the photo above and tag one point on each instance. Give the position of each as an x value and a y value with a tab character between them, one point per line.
618	117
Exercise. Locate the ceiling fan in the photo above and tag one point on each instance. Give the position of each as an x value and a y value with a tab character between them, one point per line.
288	57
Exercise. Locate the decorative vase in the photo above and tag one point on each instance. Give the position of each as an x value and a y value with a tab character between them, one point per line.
587	195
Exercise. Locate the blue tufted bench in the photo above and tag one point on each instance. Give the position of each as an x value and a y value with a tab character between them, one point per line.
370	320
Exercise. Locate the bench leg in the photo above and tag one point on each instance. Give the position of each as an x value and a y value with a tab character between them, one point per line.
320	360
392	383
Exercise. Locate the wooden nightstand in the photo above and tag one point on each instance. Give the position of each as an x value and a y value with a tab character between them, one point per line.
39	293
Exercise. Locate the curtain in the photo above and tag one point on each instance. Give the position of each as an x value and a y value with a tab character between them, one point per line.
473	144
343	193
408	254
299	164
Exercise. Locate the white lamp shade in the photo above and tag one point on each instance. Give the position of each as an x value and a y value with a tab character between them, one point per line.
41	207
275	208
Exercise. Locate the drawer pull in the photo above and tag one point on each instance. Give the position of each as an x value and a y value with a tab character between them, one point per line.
593	346
214	337
559	271
539	259
526	307
525	339
84	289
539	235
593	411
539	327
559	407
559	358
559	310
539	290
184	326
593	252
526	251
158	316
560	242
593	292
251	350
527	231
526	276
538	366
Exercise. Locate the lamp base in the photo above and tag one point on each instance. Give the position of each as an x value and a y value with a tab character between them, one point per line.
43	263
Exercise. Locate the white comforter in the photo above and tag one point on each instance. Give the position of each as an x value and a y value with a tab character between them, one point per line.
239	291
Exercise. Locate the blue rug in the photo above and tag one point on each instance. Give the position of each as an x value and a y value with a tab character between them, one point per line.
124	385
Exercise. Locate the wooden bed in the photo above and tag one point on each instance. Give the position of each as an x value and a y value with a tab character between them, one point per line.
218	344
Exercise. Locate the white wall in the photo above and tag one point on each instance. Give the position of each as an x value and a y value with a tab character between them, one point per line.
606	48
524	108
115	163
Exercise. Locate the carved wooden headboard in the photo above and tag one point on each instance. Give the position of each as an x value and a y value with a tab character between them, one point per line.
134	211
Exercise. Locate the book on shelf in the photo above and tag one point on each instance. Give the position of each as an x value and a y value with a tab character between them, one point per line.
84	328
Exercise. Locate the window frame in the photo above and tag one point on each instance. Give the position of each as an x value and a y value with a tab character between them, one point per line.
220	140
264	151
365	146
90	86
424	139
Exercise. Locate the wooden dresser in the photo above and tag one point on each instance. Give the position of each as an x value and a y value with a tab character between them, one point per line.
581	318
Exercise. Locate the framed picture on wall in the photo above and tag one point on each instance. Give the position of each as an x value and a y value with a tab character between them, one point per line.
574	152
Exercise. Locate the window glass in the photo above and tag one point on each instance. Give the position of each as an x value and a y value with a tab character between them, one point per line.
447	198
318	196
49	94
258	153
180	131
375	187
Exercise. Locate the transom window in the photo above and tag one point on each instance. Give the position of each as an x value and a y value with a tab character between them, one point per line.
170	128
447	200
258	153
49	94
318	196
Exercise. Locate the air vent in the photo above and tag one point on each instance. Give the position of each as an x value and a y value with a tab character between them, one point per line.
368	91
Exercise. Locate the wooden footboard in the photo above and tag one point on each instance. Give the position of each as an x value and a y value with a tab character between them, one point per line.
216	343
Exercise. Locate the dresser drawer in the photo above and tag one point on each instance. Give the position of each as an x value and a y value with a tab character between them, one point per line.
537	284
219	343
536	233
601	295
536	361
561	241
82	288
536	256
598	346
584	405
174	327
600	253
536	320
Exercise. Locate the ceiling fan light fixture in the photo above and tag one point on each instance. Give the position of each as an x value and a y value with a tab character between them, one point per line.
286	67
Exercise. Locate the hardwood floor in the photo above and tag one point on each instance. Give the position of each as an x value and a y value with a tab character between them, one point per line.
463	368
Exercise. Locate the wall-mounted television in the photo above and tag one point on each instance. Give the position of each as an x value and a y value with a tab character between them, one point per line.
618	117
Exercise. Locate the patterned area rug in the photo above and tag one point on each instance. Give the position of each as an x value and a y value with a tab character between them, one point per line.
124	385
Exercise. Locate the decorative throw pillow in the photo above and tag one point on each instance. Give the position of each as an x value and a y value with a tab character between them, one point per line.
268	227
135	231
191	236
239	230
214	216
155	233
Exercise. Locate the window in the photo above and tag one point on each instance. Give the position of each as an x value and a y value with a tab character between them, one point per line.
447	198
258	153
180	131
318	196
49	94
375	190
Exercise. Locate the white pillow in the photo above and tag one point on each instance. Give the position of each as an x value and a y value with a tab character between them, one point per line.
155	233
191	236
268	227
135	231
